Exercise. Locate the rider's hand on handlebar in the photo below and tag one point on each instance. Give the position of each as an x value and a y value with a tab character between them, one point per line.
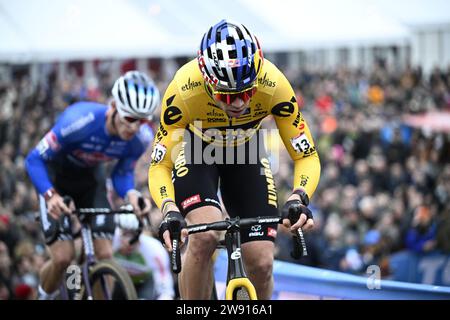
127	221
296	208
56	206
133	197
173	221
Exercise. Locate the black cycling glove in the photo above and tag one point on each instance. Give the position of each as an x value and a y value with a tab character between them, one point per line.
172	220
292	209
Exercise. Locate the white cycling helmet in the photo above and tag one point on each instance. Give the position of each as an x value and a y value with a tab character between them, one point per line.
136	95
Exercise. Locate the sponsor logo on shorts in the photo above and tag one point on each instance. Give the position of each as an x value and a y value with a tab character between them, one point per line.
271	188
256	231
271	232
190	201
256	228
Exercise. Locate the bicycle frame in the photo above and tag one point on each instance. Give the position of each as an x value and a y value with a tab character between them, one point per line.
89	253
236	277
89	256
85	215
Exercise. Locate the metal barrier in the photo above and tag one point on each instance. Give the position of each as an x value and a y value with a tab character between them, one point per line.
293	281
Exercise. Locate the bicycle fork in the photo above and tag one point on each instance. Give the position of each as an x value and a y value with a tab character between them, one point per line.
88	245
236	277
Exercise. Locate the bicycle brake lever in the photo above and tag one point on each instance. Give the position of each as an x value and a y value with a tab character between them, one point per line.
146	220
175	257
143	223
141	203
138	233
67	200
299	243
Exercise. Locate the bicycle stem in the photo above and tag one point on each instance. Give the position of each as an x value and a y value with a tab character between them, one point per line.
236	268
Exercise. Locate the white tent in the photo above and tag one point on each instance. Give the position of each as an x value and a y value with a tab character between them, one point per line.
415	13
46	30
327	23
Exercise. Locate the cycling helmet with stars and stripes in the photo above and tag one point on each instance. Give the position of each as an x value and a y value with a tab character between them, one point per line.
230	57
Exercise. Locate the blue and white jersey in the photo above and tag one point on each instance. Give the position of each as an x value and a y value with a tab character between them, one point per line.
79	139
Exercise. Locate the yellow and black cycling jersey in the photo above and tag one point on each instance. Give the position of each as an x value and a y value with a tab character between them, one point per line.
188	104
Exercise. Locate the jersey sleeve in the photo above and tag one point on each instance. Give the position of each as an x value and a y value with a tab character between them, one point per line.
35	162
123	174
296	136
167	143
67	129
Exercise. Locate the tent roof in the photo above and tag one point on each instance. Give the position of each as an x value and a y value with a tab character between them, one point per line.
416	13
46	30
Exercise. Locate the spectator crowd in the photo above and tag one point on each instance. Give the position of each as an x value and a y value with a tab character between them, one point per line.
384	187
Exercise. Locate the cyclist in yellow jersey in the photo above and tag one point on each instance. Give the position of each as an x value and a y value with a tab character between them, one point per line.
209	140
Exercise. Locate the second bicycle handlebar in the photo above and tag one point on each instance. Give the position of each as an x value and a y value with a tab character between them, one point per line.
83	213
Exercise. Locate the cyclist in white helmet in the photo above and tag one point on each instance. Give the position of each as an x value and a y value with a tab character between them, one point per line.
67	160
135	95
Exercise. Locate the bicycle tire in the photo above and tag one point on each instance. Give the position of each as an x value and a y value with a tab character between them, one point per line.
240	289
241	294
122	280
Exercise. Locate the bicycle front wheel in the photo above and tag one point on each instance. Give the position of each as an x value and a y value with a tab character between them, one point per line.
240	289
241	294
109	281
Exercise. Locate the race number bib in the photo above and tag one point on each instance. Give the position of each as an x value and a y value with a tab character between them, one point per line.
159	151
301	143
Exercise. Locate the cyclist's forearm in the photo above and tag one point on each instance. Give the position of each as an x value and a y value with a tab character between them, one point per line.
37	170
307	174
161	186
123	183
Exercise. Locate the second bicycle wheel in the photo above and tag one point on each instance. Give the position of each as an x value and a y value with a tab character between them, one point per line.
109	281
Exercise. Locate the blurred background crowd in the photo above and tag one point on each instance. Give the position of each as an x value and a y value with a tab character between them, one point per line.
372	78
385	186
